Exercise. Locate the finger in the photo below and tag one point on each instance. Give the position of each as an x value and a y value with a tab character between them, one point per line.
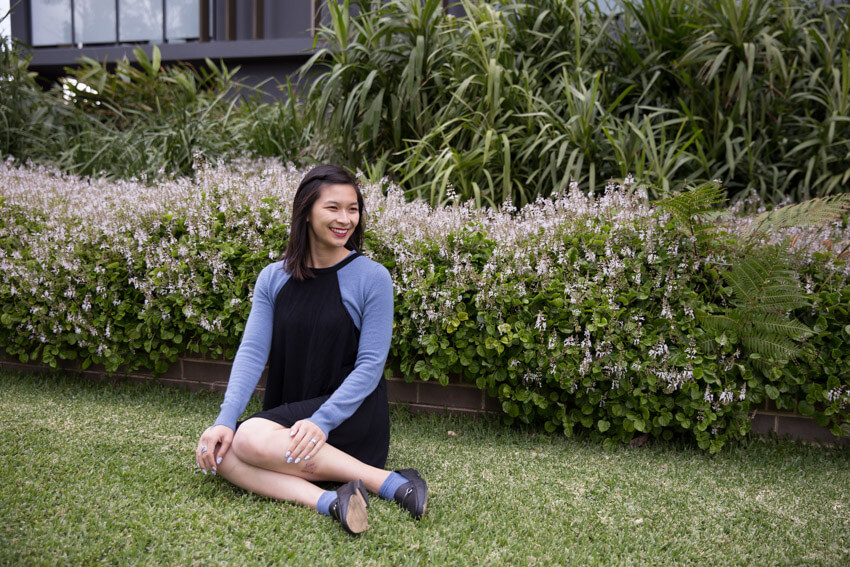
207	459
302	449
296	434
320	442
199	456
222	450
311	438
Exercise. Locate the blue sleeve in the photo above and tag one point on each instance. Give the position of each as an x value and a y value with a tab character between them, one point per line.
253	352
376	330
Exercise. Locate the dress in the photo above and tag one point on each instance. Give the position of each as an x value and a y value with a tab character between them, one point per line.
329	337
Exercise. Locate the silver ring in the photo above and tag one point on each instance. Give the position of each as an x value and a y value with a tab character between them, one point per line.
203	448
313	441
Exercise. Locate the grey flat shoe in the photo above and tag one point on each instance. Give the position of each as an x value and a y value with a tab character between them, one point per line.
412	495
349	509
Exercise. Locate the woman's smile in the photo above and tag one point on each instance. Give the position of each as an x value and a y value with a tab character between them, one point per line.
331	222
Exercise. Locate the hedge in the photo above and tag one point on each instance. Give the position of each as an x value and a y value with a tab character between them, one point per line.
608	316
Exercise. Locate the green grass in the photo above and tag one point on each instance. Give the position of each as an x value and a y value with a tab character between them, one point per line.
105	473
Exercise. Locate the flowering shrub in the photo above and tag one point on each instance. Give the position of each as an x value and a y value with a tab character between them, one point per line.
581	313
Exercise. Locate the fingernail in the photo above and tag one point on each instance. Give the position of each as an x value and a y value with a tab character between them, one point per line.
289	460
213	473
298	460
204	471
291	432
218	461
288	453
307	458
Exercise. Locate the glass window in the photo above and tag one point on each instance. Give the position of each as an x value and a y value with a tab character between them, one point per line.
94	21
51	22
182	19
140	20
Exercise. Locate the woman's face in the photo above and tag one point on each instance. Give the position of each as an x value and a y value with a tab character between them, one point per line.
333	218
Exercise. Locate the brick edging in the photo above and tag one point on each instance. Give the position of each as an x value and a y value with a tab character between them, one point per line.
201	373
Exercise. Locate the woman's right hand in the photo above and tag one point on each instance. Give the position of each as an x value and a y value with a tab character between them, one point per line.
212	446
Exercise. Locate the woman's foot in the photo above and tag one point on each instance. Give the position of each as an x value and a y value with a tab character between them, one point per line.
412	495
349	509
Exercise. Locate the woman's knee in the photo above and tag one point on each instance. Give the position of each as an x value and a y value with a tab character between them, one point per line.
253	440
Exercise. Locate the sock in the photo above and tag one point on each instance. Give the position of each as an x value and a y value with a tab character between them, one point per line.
325	501
387	490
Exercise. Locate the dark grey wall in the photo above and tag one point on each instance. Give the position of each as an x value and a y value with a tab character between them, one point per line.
287	43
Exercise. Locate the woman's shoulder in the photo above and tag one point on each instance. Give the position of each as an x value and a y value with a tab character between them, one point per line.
369	267
367	274
272	276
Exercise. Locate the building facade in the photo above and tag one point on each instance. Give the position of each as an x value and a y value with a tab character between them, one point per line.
265	38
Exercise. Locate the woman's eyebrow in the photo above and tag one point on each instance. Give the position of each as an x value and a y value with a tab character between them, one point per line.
332	202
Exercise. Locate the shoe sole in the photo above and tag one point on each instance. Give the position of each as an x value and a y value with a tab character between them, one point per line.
356	518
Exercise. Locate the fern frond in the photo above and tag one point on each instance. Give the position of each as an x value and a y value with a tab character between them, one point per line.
707	345
814	212
769	323
722	323
764	281
776	348
778	303
691	208
747	278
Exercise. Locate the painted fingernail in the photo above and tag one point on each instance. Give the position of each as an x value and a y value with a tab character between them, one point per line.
288	453
298	460
204	471
292	433
289	460
218	461
307	458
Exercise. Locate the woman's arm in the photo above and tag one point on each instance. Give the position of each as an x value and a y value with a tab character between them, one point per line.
253	352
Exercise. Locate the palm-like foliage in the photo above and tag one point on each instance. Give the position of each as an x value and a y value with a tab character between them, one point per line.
514	100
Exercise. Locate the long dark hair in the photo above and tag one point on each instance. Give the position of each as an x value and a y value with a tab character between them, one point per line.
297	254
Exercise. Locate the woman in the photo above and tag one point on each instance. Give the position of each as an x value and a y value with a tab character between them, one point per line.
322	319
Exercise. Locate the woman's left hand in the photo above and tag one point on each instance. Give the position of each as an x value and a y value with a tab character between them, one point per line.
306	438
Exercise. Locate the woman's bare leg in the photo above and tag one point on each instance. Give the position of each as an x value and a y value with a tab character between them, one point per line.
259	446
269	483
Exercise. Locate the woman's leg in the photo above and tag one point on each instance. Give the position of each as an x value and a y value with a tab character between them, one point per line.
258	447
269	483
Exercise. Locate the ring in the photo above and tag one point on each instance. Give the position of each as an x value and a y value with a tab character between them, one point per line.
203	448
313	441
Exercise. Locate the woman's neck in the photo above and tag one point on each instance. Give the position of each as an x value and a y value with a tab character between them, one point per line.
326	258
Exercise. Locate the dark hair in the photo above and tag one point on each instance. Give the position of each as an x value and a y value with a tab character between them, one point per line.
297	254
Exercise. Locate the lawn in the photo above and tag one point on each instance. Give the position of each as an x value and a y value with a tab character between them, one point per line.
105	473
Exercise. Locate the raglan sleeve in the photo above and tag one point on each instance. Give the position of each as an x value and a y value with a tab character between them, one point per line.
253	352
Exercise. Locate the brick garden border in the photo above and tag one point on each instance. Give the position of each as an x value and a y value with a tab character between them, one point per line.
197	372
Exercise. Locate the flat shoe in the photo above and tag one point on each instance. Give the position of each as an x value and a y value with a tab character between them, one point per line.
412	495
349	509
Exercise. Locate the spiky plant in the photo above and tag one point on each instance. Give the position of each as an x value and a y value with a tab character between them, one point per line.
761	282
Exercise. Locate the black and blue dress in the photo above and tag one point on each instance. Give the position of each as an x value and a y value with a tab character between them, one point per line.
326	341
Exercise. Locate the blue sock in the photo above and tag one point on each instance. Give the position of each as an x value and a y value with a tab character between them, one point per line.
390	485
325	501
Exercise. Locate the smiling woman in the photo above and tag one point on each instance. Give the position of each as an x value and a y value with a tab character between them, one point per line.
322	319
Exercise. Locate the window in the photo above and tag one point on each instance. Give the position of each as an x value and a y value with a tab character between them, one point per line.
80	22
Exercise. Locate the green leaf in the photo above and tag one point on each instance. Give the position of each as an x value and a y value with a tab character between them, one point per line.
603	425
771	391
